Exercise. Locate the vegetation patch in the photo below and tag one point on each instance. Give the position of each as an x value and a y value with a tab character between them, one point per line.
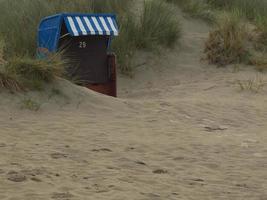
20	35
196	8
134	32
250	9
241	37
30	104
227	43
34	73
253	85
259	61
9	83
2	60
119	6
260	38
157	29
125	45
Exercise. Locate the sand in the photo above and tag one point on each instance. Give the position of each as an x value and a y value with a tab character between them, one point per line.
180	129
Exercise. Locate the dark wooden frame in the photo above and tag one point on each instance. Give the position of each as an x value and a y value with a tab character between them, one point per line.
109	88
108	85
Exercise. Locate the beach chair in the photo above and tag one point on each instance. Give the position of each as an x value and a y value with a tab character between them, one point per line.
84	39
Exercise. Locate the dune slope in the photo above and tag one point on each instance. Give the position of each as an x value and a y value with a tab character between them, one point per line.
180	130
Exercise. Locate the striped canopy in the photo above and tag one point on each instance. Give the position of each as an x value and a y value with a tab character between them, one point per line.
81	25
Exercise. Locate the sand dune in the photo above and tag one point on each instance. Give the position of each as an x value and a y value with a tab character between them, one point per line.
180	130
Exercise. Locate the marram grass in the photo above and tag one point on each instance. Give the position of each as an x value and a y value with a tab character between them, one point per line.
20	20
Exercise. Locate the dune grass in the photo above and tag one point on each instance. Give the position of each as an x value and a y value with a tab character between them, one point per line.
157	29
254	11
148	32
21	73
33	73
255	84
231	41
259	61
251	9
261	43
20	20
9	83
19	27
119	6
196	9
125	45
227	43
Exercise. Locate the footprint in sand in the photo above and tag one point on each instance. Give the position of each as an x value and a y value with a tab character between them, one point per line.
151	195
215	128
16	176
24	175
102	150
141	163
100	189
160	171
130	148
180	158
2	171
2	145
62	196
58	155
35	179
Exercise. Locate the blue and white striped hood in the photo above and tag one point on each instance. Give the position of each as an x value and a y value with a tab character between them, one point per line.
82	25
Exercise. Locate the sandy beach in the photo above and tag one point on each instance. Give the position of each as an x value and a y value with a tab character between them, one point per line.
180	129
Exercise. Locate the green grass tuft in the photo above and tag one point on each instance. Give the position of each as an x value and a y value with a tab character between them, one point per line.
119	6
158	29
148	32
125	44
34	73
250	9
20	20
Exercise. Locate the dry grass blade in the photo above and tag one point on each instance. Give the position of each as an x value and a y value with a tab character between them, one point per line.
255	84
227	44
259	61
30	68
9	83
36	73
2	45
